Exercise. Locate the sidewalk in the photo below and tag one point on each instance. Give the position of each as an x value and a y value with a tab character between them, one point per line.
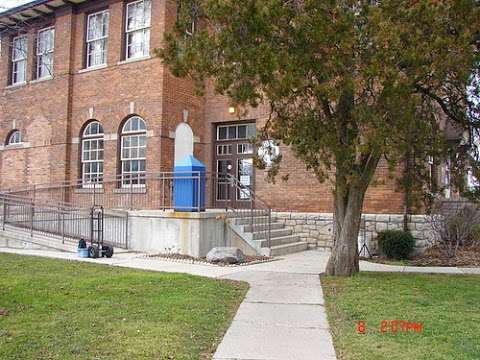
282	316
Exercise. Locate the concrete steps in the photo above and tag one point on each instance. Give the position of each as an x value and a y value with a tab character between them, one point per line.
282	239
291	248
273	233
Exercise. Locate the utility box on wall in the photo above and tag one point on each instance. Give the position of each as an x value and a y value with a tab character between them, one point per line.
189	185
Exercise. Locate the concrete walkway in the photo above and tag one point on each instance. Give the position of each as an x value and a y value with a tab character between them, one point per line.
282	316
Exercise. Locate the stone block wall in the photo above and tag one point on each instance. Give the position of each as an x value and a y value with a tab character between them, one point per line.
317	228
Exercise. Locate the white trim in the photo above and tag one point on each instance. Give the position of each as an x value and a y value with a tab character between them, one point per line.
45	78
103	38
46	53
92	68
132	60
144	28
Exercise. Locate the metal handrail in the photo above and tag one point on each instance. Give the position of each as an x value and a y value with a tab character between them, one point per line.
150	191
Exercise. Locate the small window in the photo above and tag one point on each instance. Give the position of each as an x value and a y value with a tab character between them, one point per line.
19	60
137	29
224	149
45	50
97	38
15	138
133	152
245	148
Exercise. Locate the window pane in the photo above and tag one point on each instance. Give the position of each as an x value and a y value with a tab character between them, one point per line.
232	132
222	133
242	131
251	130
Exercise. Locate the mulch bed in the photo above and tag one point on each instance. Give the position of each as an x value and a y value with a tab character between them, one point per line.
249	260
435	256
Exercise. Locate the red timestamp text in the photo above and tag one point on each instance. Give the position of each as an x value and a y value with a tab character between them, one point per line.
392	326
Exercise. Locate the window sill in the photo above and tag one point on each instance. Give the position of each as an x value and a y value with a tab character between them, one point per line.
22	145
132	60
131	190
92	68
89	190
14	86
46	78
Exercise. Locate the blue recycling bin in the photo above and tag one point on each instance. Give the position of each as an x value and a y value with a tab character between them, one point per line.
189	185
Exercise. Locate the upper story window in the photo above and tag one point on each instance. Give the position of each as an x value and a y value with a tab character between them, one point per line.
45	49
92	154
133	152
97	38
236	132
14	138
137	29
19	60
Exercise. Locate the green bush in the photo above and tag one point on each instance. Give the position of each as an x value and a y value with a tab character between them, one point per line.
396	244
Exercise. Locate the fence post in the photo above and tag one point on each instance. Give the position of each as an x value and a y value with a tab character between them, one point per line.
4	213
32	214
63	225
131	189
269	227
94	193
251	213
126	231
198	191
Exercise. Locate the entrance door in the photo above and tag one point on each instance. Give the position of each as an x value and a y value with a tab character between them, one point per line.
234	156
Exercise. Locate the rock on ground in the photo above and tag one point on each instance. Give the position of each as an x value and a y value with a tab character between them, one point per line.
229	255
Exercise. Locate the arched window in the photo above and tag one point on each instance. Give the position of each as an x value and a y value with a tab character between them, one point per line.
133	152
92	154
15	137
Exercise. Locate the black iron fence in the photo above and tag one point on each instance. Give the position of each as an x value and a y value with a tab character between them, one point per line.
63	222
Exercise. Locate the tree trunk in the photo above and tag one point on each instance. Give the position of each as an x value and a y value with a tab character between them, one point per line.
348	214
348	199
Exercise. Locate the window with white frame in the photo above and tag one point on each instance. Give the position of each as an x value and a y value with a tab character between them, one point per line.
133	152
45	49
92	154
97	38
236	132
14	138
19	59
137	29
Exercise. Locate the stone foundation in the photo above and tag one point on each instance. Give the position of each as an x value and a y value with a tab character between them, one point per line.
317	228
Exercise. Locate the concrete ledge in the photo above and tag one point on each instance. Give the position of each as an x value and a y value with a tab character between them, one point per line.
187	233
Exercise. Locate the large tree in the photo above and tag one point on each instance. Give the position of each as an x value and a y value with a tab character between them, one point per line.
348	82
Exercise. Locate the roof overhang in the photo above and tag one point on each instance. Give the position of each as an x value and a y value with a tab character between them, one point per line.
14	17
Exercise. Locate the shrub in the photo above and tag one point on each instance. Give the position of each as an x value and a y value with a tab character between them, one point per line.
396	244
455	224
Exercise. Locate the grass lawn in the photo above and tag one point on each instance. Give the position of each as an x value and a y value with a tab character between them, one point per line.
53	309
447	305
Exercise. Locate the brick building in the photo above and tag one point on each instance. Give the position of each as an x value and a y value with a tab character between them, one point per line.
84	98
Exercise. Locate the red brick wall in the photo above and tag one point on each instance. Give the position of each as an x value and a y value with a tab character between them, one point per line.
302	192
51	114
